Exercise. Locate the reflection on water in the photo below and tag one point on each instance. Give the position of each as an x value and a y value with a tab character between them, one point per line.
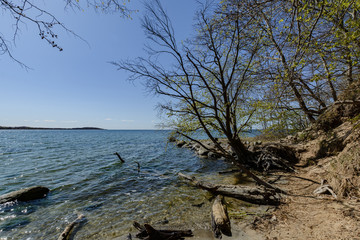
85	177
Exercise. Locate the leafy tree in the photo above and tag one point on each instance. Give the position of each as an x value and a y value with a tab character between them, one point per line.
342	36
302	54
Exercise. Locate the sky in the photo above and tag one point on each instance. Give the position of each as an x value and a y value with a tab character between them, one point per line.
78	87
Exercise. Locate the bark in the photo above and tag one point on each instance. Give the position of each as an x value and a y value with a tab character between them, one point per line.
26	194
329	77
147	232
256	195
65	235
220	221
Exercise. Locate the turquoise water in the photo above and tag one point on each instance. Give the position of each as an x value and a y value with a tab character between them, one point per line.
85	177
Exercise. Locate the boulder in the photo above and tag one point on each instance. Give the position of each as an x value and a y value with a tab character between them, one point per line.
202	152
213	155
180	143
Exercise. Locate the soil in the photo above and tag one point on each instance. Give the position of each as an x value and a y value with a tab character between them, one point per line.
304	215
328	153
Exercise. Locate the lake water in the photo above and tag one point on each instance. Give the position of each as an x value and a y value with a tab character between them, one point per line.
85	177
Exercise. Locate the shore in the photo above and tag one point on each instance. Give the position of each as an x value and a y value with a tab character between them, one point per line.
331	156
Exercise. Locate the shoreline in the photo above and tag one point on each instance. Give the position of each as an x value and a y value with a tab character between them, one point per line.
316	216
43	128
332	156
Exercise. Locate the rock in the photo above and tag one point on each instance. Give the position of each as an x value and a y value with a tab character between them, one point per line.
187	145
26	194
180	143
202	152
213	155
196	146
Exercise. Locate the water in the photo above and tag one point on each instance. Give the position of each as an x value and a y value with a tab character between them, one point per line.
85	177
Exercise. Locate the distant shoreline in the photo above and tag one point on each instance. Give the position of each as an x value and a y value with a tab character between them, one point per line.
42	128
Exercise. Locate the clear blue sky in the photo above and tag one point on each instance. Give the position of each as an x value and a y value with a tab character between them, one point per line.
78	87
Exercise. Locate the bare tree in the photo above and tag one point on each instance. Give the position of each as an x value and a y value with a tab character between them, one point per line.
207	79
27	12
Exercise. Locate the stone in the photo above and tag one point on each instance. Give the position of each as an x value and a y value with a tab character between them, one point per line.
180	143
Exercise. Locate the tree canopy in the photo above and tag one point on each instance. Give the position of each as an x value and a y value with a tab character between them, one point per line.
278	64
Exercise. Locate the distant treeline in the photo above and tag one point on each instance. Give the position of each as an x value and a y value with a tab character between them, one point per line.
40	128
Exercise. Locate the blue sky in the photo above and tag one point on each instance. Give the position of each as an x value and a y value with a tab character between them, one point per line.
78	87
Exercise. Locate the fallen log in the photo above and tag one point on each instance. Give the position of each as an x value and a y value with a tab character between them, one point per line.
220	221
257	194
147	232
26	194
65	235
230	171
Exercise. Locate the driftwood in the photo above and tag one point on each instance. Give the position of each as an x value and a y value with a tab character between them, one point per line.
220	221
138	166
257	195
147	232
118	155
65	235
26	194
230	171
324	189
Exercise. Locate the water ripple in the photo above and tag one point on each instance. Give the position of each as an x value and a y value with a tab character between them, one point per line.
84	176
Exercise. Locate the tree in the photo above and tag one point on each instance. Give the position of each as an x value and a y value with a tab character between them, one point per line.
26	12
303	51
207	79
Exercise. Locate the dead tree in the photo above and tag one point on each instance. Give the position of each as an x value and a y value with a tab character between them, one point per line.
256	194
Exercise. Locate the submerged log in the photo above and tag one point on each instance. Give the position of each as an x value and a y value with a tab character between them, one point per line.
118	155
147	232
138	166
26	194
220	221
257	195
65	235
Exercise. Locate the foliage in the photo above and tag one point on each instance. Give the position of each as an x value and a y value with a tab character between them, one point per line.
276	64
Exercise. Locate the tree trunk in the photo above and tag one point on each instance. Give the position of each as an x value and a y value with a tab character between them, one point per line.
26	194
147	232
256	195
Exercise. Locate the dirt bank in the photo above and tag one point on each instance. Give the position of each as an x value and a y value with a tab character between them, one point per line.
332	155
